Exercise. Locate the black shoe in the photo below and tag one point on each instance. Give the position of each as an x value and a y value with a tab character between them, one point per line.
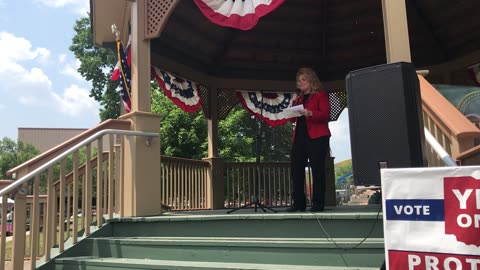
295	209
317	208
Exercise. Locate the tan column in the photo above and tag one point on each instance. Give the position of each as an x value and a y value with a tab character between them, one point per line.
395	26
215	183
215	178
213	124
140	82
141	192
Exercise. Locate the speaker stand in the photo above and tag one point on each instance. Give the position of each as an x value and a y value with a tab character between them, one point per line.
255	200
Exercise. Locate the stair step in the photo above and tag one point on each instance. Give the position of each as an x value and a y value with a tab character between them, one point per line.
305	251
95	263
344	243
294	225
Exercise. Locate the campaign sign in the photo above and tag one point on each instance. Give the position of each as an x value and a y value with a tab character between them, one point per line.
432	218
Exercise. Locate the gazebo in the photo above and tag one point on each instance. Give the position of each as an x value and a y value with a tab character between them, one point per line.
201	41
190	39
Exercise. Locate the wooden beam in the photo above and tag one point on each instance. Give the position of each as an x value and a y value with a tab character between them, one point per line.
140	80
396	31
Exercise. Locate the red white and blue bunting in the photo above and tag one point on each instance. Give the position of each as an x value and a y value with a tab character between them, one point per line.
242	14
267	106
184	93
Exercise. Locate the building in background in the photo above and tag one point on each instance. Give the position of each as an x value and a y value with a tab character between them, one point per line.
44	139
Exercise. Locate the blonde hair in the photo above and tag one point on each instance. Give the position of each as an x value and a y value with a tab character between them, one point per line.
311	77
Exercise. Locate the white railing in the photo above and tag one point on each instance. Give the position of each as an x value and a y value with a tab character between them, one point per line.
52	208
437	148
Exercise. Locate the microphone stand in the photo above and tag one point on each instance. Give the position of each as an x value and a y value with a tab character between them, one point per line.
255	200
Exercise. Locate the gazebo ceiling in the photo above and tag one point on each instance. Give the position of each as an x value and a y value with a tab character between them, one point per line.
333	37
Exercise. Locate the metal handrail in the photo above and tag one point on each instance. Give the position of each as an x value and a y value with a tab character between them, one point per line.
90	139
446	158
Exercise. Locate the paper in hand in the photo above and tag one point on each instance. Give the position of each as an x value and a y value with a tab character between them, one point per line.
293	111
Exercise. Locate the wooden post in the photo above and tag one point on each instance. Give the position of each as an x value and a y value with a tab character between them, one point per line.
140	83
19	225
215	183
141	170
395	26
213	124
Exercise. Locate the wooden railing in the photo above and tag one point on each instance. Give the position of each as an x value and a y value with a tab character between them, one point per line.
59	206
454	132
269	182
184	183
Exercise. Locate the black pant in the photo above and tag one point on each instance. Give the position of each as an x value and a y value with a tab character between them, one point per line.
316	151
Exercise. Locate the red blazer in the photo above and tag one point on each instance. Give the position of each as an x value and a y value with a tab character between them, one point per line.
317	124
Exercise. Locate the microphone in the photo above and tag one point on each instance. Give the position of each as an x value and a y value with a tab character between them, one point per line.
295	96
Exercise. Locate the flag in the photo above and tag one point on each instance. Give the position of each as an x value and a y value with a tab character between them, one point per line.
116	70
124	75
475	73
242	15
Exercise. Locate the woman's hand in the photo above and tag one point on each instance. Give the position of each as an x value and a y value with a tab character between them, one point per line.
294	98
306	113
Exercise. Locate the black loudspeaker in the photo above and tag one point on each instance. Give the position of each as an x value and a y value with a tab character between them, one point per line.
386	126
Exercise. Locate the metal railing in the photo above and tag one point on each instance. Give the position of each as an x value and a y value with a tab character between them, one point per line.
437	148
47	207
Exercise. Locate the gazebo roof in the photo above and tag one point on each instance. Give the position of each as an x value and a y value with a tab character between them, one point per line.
333	37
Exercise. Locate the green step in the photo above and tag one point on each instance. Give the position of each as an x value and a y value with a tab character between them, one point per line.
327	240
304	251
298	225
94	263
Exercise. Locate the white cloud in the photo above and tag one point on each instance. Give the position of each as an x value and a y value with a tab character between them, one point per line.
62	58
32	86
79	6
28	100
17	49
340	140
75	101
71	69
23	83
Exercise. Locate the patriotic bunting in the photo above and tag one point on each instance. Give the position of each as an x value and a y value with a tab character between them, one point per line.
475	73
242	15
267	106
123	74
184	93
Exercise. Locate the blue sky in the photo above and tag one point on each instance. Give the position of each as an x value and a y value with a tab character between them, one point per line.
40	86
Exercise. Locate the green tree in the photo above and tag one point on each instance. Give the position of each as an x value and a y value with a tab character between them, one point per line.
182	134
237	136
96	66
13	154
239	133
